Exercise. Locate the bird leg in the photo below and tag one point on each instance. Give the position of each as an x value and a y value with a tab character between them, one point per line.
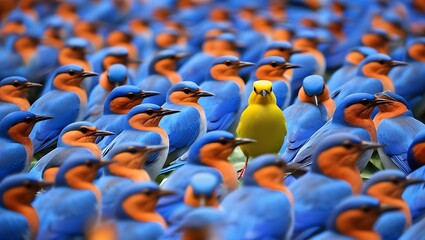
241	172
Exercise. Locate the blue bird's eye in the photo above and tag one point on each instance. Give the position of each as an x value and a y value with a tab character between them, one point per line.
396	181
28	120
381	62
364	102
89	164
132	150
228	63
16	84
84	130
71	72
149	112
130	95
187	91
273	64
366	209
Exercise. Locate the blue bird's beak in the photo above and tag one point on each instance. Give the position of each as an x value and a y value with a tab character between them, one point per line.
364	146
409	182
242	64
295	51
146	94
204	94
181	55
32	85
394	63
290	66
155	148
86	74
43	184
383	208
39	118
242	141
103	164
133	60
164	192
102	133
164	112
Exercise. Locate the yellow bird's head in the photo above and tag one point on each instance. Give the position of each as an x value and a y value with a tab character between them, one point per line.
262	93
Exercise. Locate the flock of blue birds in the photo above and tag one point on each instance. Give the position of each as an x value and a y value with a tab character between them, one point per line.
130	119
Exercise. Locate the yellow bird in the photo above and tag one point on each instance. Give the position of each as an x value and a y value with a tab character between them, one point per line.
263	121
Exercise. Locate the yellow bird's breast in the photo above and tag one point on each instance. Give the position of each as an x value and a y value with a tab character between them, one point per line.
264	123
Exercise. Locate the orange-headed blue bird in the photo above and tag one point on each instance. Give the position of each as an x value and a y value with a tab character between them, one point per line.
387	186
72	205
273	214
16	144
68	106
378	39
354	219
396	128
19	220
334	175
12	94
126	167
228	87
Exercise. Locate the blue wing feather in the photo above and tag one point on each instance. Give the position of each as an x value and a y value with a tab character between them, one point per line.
14	226
13	159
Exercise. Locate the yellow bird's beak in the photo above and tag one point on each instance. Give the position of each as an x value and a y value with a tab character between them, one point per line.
263	93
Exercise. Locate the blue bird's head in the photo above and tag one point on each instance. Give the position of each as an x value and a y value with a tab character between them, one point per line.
341	151
282	49
357	54
123	98
416	50
18	125
204	218
19	189
117	74
354	108
14	88
306	39
388	183
147	115
77	44
79	171
416	152
203	189
24	42
283	32
70	75
165	61
357	214
18	83
81	134
166	38
266	171
120	35
377	64
214	146
116	55
271	68
226	67
393	103
137	199
185	93
130	156
226	44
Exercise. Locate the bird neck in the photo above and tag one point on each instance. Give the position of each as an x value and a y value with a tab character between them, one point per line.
192	200
20	101
388	113
195	105
396	201
144	215
30	215
366	123
135	174
349	174
364	234
81	93
274	76
235	78
171	74
26	54
386	81
86	185
151	128
194	234
226	170
92	147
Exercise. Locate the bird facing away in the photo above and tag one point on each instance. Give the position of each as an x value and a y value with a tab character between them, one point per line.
68	106
262	121
273	216
135	214
12	94
203	223
19	220
73	201
333	177
354	218
16	144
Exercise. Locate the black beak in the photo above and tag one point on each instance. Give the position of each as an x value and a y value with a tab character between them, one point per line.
296	170
409	182
133	60
32	85
263	93
146	94
242	141
295	51
88	74
103	164
242	64
164	192
204	94
181	55
155	148
364	146
98	133
290	66
394	63
383	208
164	112
381	100
39	118
44	184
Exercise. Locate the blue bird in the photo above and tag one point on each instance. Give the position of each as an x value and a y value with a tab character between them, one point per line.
203	223
333	177
202	191
372	77
272	69
415	231
349	68
190	124
303	118
118	103
387	186
12	94
19	220
135	215
126	168
209	152
115	76
142	127
72	205
273	215
228	87
162	75
353	218
68	106
16	145
414	195
407	80
396	128
378	39
351	116
74	136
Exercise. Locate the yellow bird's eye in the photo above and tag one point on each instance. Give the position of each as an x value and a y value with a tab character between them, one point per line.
271	89
255	90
